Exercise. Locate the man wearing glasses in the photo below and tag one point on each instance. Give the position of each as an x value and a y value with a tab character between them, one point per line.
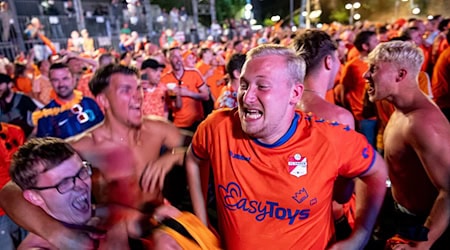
54	178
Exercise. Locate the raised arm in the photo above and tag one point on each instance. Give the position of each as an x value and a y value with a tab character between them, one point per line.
35	220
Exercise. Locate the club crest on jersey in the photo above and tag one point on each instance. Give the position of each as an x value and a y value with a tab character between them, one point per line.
297	165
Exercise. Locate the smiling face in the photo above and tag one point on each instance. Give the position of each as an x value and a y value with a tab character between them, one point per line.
74	206
176	60
124	95
62	82
267	98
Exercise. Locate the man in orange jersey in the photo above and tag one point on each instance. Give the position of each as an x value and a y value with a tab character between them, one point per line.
416	149
213	71
192	89
274	167
354	85
441	81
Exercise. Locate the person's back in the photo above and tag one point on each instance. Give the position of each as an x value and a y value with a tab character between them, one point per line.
321	56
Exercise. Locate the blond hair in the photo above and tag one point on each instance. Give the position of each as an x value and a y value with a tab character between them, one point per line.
403	54
295	64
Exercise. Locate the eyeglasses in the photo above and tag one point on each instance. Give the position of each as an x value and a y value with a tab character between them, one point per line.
68	183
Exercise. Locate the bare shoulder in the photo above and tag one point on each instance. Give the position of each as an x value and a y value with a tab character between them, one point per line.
427	123
88	140
157	124
344	116
82	140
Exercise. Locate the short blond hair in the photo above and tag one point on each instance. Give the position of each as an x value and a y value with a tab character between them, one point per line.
403	54
295	64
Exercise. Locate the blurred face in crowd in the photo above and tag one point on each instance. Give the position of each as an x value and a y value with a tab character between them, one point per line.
176	59
154	75
190	61
75	66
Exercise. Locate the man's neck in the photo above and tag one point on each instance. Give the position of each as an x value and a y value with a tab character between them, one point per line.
178	73
315	84
60	100
120	133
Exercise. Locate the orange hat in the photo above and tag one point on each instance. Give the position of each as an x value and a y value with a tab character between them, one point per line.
187	53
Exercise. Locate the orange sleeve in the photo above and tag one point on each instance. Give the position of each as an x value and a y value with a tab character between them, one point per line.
24	85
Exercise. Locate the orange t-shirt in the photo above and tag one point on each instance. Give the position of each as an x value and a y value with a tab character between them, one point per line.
23	84
43	89
354	85
441	79
424	83
191	110
9	143
278	195
215	82
83	85
155	102
426	57
352	54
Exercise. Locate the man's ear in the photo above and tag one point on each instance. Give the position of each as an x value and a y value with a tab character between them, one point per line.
365	46
102	100
296	93
236	74
33	197
328	61
402	73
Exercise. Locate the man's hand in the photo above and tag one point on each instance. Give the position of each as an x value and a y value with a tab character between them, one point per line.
155	172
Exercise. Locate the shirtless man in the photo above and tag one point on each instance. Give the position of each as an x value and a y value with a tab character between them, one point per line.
416	148
322	64
123	135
